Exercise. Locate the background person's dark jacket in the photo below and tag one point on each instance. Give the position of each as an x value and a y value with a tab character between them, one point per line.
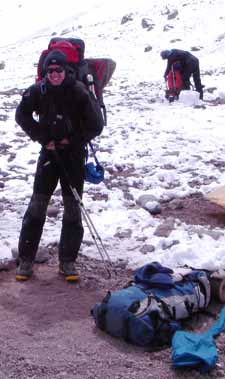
69	111
187	60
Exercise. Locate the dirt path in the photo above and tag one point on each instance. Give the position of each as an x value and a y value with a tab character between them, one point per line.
47	331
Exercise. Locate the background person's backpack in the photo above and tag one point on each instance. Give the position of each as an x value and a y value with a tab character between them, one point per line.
174	82
149	311
94	72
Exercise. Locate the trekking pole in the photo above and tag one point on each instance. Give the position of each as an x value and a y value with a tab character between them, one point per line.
94	154
94	234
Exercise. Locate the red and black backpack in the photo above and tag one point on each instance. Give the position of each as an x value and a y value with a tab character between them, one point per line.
174	82
94	72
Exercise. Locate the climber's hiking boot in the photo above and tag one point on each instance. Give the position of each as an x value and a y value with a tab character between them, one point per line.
24	270
69	272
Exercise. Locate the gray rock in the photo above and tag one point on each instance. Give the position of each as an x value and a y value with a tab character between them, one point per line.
2	65
11	157
168	244
42	255
121	263
211	89
141	239
52	211
14	252
175	40
164	229
220	37
209	72
148	48
123	234
176	204
165	11
153	207
199	106
65	31
148	248
166	28
126	18
202	231
196	48
3	117
168	166
147	23
172	14
143	199
6	264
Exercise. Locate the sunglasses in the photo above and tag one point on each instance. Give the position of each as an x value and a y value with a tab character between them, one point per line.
57	69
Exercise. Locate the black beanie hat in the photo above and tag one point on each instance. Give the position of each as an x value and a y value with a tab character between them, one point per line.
55	57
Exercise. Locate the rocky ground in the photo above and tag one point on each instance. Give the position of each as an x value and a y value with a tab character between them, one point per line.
47	330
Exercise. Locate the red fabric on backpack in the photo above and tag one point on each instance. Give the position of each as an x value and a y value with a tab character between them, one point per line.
77	42
102	70
71	51
174	79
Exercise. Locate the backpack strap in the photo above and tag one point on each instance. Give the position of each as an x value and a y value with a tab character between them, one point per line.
125	330
43	87
94	154
99	312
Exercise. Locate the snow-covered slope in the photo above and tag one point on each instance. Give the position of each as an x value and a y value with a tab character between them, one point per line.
145	135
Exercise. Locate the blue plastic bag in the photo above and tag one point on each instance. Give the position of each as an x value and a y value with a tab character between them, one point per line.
193	351
94	173
198	351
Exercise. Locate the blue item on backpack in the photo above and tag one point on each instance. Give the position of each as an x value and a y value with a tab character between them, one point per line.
154	275
198	351
177	66
94	172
